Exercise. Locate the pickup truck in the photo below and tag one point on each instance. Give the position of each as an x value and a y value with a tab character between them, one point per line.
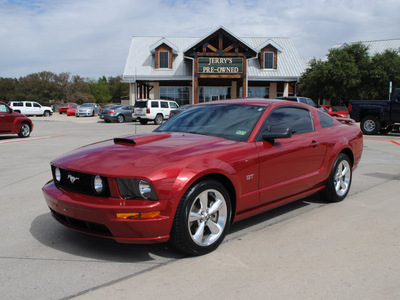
377	116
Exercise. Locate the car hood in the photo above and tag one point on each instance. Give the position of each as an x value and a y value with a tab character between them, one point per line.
143	155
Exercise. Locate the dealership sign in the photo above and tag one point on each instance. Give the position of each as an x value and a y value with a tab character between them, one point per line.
220	65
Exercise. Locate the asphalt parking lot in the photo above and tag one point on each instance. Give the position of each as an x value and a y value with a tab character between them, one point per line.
305	250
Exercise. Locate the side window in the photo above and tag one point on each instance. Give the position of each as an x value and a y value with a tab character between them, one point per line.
297	119
3	108
154	104
324	120
36	105
164	104
173	105
310	102
28	104
303	100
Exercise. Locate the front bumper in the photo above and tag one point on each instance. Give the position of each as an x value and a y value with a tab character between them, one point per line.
97	216
84	113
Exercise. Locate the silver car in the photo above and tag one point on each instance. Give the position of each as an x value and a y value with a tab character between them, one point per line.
88	110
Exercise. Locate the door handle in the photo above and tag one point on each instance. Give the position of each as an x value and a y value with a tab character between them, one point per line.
314	144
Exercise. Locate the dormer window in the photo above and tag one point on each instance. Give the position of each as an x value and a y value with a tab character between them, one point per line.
268	60
163	61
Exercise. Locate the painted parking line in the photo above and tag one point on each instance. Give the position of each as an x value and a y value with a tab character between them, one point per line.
31	139
394	142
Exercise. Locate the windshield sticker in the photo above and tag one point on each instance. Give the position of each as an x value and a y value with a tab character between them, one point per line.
241	132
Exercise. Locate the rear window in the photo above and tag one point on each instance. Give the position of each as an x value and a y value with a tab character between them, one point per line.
164	104
154	104
141	104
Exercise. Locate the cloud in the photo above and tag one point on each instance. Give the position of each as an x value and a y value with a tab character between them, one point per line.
91	38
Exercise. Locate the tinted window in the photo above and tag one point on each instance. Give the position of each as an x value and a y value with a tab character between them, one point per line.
173	105
141	104
297	119
28	104
326	121
36	105
154	104
164	104
229	121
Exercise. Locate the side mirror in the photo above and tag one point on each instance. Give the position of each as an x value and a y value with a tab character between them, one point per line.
276	133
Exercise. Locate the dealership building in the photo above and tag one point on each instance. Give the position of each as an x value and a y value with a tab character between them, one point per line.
218	66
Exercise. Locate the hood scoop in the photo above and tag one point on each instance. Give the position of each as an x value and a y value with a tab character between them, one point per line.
140	139
124	141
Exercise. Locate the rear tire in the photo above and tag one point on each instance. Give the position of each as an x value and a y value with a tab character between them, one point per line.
339	181
158	119
370	125
120	119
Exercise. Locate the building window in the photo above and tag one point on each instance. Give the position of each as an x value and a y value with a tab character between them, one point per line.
163	59
255	92
268	60
211	93
178	94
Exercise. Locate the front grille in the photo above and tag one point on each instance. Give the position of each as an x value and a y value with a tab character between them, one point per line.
80	183
85	226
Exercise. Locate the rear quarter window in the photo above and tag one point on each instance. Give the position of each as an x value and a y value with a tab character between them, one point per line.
154	104
324	120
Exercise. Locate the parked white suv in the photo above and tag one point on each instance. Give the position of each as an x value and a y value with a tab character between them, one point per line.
153	109
30	108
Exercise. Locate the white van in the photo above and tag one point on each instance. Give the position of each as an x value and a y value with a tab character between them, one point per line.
155	110
30	108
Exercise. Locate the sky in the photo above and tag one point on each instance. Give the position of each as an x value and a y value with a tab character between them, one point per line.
91	38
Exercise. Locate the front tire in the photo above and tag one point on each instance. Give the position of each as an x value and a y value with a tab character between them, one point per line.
46	113
339	181
25	130
202	218
370	125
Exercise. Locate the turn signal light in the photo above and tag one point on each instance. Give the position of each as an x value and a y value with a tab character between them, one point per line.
138	215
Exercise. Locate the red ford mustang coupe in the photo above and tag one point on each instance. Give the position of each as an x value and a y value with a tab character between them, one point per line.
209	166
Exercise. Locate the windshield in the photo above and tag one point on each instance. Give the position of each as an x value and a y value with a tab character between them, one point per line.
229	121
87	105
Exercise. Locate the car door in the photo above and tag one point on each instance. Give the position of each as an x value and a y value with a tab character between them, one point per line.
37	108
6	118
164	108
28	108
289	166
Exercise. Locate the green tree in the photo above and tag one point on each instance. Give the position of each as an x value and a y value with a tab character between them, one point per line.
99	89
385	68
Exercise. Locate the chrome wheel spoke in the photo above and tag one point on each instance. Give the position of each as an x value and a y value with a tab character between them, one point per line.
198	236
194	216
214	227
215	207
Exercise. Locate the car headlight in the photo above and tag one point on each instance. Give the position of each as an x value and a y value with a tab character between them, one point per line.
98	184
131	188
57	174
145	189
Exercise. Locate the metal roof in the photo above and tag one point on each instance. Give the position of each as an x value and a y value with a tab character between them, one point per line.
378	46
140	63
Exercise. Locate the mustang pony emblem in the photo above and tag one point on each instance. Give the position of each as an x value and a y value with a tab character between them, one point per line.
72	178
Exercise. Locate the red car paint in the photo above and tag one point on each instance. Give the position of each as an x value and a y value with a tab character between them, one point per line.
336	113
260	174
71	111
64	108
10	121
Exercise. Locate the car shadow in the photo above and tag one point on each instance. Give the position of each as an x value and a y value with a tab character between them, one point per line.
54	235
